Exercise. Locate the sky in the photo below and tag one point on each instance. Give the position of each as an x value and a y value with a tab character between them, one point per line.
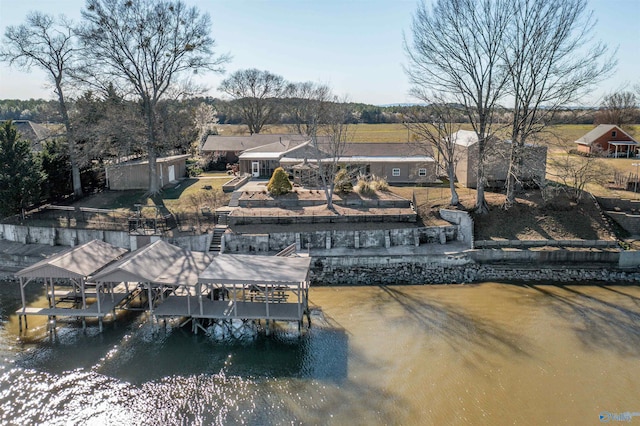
354	46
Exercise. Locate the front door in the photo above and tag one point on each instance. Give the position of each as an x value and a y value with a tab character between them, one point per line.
172	173
255	169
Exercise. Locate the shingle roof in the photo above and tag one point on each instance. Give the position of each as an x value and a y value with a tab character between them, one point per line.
32	132
78	262
157	263
385	149
242	143
599	131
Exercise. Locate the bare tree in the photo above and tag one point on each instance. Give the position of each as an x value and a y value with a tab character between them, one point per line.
545	71
577	171
46	43
204	118
619	108
255	92
325	119
147	47
298	104
455	51
436	132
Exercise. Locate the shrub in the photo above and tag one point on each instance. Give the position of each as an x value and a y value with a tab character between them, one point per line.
342	181
194	170
279	183
380	184
364	187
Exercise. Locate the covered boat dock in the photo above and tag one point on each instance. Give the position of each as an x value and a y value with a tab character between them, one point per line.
160	269
198	287
245	287
69	290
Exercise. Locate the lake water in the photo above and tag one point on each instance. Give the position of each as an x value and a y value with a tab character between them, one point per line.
474	354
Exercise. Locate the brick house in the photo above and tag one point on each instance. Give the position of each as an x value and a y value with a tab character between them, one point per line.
610	140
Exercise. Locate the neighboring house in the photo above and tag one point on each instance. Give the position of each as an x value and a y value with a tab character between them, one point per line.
135	174
229	148
497	155
610	140
35	133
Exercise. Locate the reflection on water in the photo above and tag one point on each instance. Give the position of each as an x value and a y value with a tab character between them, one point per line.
474	354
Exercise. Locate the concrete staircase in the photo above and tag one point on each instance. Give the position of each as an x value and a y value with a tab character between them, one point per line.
222	217
216	240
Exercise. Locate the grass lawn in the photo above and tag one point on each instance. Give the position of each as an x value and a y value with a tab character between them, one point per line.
175	199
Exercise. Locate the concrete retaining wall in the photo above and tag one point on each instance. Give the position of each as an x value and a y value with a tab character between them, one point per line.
61	236
609	203
464	222
375	238
488	244
630	222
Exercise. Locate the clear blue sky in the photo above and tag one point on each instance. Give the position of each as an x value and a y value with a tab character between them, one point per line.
355	46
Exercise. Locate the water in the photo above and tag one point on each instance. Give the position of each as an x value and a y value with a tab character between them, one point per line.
474	354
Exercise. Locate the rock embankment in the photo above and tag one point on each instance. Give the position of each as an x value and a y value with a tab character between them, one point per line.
470	273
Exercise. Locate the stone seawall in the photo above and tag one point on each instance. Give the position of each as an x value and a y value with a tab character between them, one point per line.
416	273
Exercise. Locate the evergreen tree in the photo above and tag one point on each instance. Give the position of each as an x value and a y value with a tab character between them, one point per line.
57	168
20	172
279	183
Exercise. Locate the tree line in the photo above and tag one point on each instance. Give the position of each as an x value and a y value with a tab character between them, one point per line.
620	108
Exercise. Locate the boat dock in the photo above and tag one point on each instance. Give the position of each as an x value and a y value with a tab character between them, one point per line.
193	286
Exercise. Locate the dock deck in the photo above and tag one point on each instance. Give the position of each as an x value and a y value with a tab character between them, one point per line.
106	306
174	306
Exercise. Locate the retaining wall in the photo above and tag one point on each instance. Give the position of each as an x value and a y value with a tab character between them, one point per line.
630	222
488	244
464	268
610	203
375	238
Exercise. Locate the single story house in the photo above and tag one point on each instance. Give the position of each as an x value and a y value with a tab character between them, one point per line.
397	162
229	148
497	160
135	174
610	140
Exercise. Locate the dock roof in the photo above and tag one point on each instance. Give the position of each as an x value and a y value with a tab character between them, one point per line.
254	269
157	263
77	262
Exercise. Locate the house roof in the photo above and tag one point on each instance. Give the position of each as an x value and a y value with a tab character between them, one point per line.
159	160
245	142
33	132
385	149
464	137
273	150
365	152
157	263
254	269
599	131
78	262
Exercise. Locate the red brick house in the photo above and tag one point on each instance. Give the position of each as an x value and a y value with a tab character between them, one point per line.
610	140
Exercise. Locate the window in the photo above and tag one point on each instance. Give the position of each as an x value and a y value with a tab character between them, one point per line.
613	134
395	172
422	172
